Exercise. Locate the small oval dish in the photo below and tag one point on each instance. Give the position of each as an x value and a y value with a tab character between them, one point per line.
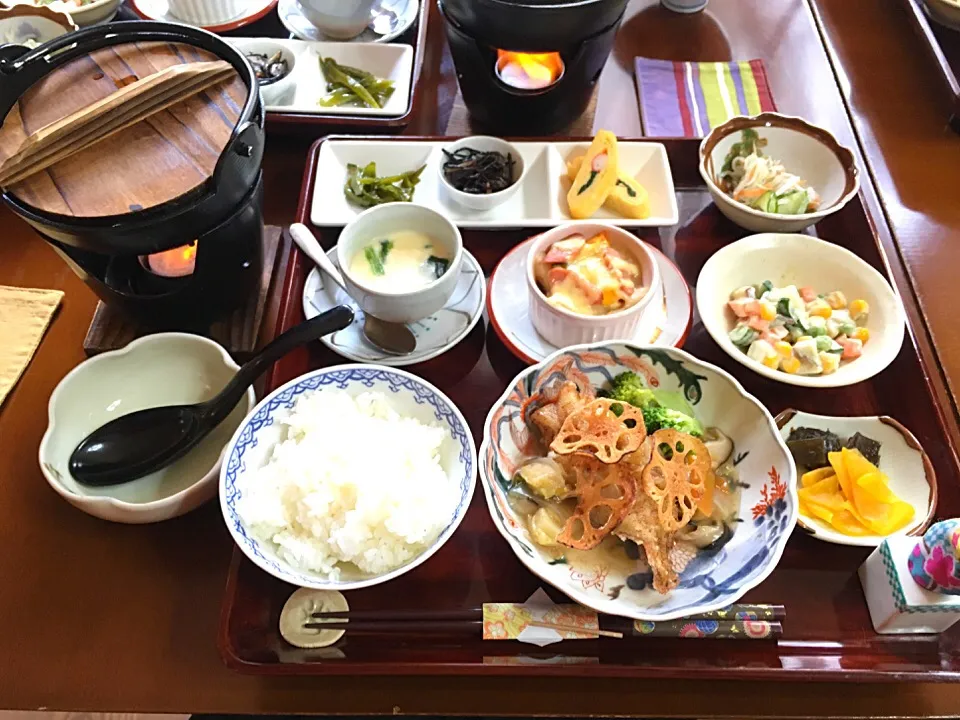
263	437
902	460
611	582
156	370
90	13
801	260
805	150
481	202
30	25
561	326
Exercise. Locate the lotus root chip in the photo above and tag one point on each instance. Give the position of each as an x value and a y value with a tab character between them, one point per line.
676	477
604	497
605	428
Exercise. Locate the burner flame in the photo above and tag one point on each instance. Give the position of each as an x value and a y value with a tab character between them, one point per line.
529	71
176	262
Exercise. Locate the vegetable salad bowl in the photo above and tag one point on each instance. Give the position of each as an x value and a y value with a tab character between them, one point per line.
712	580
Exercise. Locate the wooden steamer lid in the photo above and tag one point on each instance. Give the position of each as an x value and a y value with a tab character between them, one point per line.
161	158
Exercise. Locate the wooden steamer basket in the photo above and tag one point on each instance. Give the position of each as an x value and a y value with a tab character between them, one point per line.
188	173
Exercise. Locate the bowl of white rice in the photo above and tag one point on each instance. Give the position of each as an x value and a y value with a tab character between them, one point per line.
347	477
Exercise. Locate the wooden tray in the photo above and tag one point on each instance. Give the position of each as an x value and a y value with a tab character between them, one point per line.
828	635
943	45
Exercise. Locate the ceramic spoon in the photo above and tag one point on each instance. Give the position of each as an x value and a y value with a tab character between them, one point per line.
391	338
145	441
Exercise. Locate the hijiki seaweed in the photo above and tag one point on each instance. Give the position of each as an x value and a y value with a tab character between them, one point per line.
478	172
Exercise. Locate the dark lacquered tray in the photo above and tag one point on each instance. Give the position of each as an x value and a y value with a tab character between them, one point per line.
943	46
291	122
827	632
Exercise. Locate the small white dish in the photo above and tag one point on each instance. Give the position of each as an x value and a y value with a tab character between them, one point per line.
159	10
405	11
258	434
805	150
483	143
666	322
435	334
406	306
540	199
206	12
902	459
339	19
802	260
156	370
94	13
561	327
272	92
306	84
24	24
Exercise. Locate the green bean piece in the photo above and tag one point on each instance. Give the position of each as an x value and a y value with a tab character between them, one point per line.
334	74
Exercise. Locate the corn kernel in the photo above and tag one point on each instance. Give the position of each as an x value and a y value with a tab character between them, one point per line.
790	365
829	362
819	308
858	308
768	311
772	361
861	334
784	349
837	300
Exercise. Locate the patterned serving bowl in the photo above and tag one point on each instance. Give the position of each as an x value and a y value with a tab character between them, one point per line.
768	505
409	395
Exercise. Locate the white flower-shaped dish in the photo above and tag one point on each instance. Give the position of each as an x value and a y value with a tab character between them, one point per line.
156	370
902	459
801	260
768	504
410	396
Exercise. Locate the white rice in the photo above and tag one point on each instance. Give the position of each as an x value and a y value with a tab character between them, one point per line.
353	482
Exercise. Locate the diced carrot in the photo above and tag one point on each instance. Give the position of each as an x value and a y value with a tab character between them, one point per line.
852	348
808	294
758	323
739	306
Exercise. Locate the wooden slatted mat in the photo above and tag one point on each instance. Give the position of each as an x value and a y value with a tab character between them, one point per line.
160	158
238	333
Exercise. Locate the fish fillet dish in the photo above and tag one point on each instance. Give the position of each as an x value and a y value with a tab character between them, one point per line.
628	471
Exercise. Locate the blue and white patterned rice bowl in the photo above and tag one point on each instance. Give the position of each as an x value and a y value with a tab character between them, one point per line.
410	396
768	507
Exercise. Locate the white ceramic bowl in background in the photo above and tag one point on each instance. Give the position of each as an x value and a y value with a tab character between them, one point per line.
206	12
378	222
276	92
482	203
96	12
562	327
410	396
24	23
902	460
338	19
945	12
161	369
802	260
804	150
768	505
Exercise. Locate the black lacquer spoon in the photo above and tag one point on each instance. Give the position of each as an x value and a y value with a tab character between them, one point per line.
142	442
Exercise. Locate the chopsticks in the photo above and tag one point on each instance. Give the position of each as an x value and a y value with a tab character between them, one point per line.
119	110
735	622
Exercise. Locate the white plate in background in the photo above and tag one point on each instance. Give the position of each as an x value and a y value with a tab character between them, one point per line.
390	62
539	202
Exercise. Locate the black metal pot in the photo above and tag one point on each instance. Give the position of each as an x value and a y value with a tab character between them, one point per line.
533	25
167	225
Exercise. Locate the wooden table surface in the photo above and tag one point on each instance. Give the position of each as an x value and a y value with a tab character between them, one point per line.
107	617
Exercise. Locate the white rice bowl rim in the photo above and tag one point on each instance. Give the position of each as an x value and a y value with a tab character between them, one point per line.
253	548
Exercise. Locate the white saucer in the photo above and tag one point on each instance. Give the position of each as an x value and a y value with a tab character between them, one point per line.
160	10
435	334
297	23
666	323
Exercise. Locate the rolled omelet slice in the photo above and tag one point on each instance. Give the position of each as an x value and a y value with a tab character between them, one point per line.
628	198
595	178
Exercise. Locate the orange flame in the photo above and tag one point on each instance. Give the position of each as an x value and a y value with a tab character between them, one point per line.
176	262
529	71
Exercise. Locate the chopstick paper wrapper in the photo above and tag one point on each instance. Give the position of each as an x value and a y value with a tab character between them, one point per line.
511	621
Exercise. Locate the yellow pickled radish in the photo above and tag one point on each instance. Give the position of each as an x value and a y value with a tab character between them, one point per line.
815	476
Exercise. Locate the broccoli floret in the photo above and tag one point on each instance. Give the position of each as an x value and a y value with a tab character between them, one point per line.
657	417
628	387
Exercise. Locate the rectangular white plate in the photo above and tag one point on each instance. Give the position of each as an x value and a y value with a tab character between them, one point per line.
539	202
385	60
